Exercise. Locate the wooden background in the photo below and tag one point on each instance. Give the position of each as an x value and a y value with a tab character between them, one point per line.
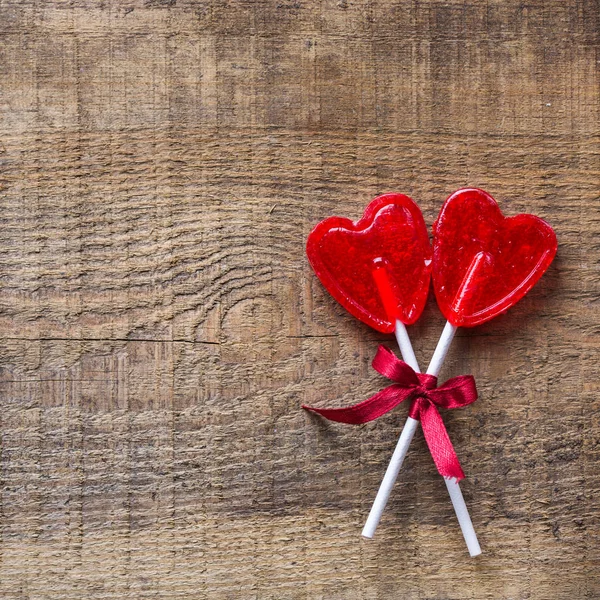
161	164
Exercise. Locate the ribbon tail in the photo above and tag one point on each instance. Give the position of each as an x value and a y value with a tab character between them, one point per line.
439	443
368	410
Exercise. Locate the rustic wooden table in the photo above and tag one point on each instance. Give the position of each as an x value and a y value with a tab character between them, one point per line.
161	165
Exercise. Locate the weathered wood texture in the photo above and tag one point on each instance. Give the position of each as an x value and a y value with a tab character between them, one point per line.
161	165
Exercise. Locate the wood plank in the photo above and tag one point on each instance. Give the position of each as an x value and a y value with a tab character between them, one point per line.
161	164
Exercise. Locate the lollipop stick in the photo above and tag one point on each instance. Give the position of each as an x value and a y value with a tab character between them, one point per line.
458	502
389	478
401	449
408	432
462	514
406	349
443	345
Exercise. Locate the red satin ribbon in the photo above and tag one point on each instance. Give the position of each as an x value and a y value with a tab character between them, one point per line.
426	396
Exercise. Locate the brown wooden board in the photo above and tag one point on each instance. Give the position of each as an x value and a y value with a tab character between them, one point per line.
161	164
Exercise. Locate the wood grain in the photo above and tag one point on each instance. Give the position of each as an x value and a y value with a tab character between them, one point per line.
161	163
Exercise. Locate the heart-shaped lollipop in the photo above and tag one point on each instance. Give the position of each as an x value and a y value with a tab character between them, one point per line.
483	262
379	267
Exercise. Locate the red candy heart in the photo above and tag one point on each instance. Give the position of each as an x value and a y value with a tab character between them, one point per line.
483	262
379	267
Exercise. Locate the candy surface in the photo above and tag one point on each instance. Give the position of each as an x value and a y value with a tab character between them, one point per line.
483	262
379	267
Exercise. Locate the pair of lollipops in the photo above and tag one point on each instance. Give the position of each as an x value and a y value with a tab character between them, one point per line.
379	269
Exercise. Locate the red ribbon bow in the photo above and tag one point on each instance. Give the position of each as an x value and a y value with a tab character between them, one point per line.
426	396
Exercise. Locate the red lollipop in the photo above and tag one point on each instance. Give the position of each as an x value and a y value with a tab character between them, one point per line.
483	262
378	268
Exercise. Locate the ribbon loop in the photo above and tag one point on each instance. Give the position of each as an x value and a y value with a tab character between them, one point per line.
426	396
387	364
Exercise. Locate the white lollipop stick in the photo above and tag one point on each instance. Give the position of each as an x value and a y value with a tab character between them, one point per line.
401	449
458	502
